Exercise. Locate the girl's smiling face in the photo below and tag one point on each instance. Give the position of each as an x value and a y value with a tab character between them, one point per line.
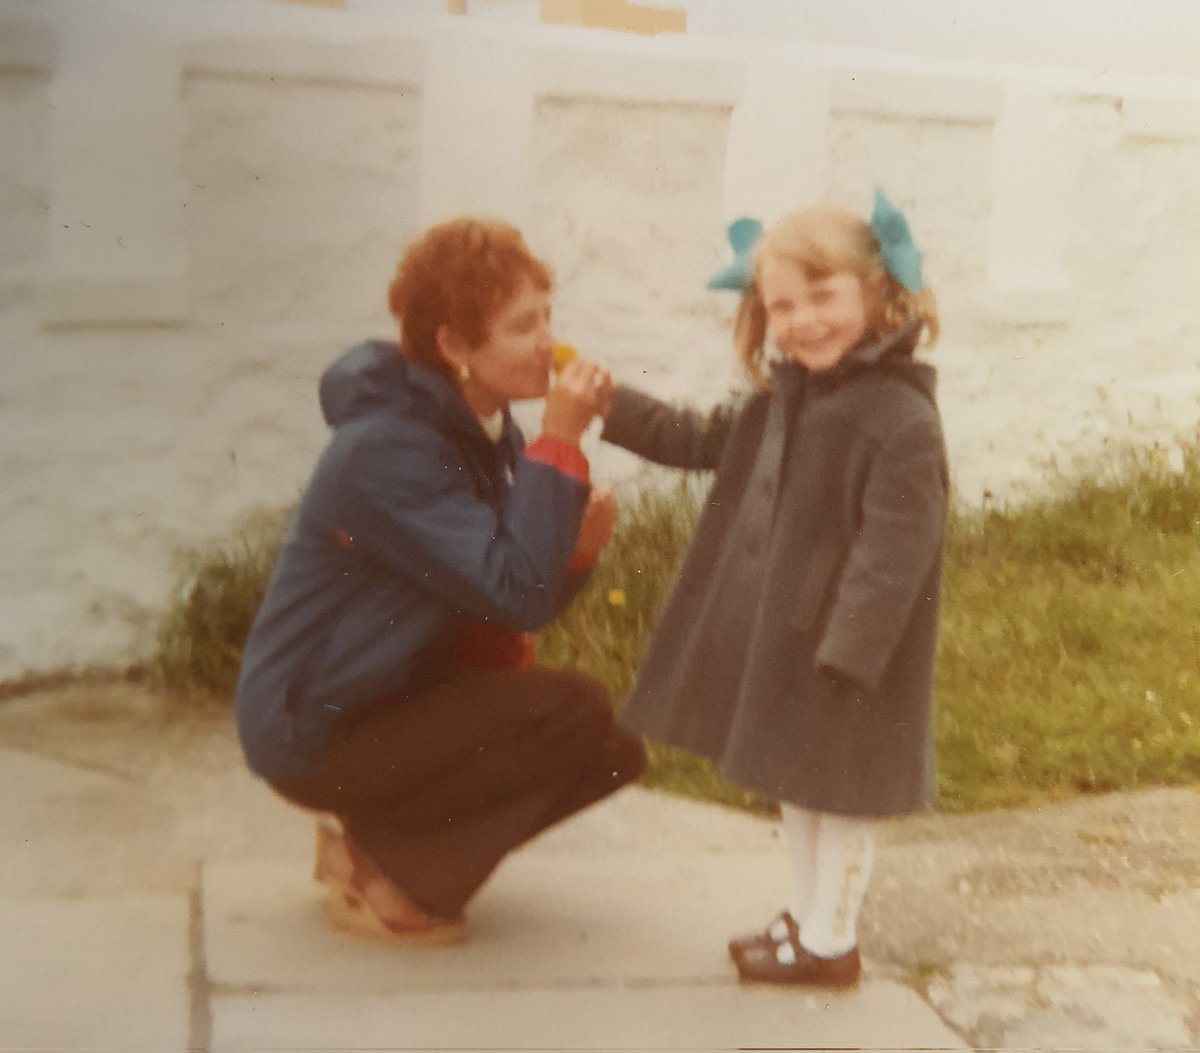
815	321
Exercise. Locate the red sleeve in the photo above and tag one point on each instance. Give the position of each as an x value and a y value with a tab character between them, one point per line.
485	645
583	559
566	458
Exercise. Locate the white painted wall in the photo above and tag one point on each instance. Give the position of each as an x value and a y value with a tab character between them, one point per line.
201	204
1107	40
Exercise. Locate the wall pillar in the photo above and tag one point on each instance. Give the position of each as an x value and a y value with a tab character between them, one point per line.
778	156
117	252
1028	278
476	128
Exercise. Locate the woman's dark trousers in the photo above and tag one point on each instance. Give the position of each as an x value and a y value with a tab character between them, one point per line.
438	787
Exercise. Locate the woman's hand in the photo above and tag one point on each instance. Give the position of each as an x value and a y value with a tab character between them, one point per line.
599	518
583	390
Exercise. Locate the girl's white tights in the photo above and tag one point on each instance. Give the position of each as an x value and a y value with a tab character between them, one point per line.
832	857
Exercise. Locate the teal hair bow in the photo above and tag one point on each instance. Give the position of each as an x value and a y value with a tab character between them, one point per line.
736	275
900	256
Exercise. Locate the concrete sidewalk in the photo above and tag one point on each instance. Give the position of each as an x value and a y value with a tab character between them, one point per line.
567	951
154	896
606	934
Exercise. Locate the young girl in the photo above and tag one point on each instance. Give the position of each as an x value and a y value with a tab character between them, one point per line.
797	646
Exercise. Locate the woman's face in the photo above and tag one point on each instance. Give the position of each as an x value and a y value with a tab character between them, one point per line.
514	360
813	321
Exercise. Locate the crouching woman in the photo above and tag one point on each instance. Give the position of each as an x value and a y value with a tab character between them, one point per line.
388	680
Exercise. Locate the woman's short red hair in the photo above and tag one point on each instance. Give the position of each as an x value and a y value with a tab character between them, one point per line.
459	274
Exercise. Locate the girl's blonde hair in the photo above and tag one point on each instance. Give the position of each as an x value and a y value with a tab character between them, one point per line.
822	241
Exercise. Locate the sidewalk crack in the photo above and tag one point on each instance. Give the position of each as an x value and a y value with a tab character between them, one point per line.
199	984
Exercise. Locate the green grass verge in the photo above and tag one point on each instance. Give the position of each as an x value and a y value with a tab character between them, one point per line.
1070	650
1070	643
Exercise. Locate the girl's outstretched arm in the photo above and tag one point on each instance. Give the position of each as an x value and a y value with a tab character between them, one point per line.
665	434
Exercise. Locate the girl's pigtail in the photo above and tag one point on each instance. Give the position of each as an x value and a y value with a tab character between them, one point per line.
926	305
750	334
900	308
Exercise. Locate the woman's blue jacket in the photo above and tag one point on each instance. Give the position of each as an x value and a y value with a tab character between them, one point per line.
413	521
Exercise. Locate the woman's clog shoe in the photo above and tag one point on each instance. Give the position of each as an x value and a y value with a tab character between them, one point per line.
353	914
372	906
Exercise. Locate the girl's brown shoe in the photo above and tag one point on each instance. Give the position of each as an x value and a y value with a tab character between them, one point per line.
777	957
777	929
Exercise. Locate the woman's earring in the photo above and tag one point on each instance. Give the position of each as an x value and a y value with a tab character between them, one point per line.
464	372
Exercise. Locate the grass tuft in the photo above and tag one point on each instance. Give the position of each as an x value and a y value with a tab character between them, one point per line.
202	633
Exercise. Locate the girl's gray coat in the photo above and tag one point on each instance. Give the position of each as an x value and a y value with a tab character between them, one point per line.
797	647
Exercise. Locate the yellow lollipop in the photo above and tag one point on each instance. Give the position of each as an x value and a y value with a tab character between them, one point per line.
563	354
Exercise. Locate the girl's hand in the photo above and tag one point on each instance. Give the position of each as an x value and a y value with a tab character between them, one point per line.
599	518
582	391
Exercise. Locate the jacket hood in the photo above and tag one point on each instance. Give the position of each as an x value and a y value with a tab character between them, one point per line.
375	376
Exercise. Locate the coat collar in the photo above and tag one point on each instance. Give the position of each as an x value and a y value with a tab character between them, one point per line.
892	353
443	396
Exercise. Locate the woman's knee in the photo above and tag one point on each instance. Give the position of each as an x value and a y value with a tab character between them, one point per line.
596	724
576	704
627	755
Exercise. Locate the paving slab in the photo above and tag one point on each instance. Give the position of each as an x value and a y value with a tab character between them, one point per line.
648	821
1112	880
880	1015
543	919
95	974
566	952
67	829
1096	926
